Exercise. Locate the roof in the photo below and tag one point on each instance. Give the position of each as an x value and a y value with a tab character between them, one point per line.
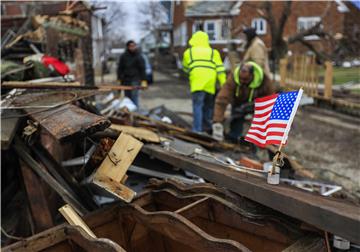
213	8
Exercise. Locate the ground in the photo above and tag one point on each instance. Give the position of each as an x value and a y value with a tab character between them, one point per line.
325	142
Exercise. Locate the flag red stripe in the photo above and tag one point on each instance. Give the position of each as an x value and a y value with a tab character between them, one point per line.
265	106
271	125
263	114
262	144
268	134
266	98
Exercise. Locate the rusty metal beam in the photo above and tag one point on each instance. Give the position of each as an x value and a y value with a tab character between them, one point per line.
329	214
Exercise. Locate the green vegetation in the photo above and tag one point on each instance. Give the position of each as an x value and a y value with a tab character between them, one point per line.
344	75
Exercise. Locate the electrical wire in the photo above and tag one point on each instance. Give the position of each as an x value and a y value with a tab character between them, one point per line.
11	236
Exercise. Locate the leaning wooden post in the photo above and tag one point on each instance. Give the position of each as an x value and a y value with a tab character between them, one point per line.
328	80
283	69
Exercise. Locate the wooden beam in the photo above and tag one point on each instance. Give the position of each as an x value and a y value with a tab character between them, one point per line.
329	214
74	219
139	133
67	196
36	198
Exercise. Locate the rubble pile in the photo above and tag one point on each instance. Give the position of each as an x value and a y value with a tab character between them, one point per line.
59	148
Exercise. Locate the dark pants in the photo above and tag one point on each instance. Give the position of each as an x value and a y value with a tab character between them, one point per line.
133	95
203	108
236	125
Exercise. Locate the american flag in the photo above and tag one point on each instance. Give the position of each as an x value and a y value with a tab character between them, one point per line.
273	117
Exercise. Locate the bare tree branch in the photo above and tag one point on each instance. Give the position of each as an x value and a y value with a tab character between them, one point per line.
284	17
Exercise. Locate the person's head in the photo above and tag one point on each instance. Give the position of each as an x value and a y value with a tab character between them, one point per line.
246	74
131	46
250	33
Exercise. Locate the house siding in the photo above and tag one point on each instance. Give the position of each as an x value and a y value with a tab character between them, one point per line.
334	22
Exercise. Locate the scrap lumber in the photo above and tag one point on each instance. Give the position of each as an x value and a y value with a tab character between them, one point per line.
69	122
74	219
64	85
36	198
187	135
8	129
113	168
64	177
329	214
139	133
67	196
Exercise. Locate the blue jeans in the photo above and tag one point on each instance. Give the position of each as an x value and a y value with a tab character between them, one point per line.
203	108
133	95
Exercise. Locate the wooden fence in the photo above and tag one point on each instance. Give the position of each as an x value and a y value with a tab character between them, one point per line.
303	71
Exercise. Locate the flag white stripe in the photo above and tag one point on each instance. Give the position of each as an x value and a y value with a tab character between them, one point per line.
263	141
260	104
268	122
263	133
258	112
261	119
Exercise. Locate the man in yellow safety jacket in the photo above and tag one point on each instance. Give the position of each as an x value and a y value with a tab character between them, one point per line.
204	66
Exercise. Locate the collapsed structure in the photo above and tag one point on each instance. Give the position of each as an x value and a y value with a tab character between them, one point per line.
65	143
67	151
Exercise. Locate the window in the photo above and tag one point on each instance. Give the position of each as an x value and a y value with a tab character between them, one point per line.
197	26
210	29
180	36
260	25
305	23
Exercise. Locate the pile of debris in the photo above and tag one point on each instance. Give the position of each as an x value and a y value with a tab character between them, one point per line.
71	145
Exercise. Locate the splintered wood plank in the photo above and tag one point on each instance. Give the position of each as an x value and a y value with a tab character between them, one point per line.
119	158
139	133
37	200
69	122
74	219
115	188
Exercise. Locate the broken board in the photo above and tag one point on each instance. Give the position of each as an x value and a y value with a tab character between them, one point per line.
113	169
139	133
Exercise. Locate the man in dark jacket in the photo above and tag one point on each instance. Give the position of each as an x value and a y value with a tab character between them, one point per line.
131	71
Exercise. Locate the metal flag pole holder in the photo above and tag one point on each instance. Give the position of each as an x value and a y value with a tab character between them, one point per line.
278	160
273	177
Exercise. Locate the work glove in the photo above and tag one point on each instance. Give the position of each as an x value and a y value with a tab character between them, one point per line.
144	84
218	131
242	110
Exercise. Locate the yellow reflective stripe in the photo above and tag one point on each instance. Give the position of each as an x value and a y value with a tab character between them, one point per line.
202	63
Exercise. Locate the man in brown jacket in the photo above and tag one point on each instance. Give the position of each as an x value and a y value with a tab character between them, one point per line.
241	88
255	50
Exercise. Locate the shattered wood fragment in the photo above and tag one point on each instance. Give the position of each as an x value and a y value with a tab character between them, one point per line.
119	158
69	122
113	168
8	129
115	188
342	218
36	198
74	219
67	196
139	133
64	238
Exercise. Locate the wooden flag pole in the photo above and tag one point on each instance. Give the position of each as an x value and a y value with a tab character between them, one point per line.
278	160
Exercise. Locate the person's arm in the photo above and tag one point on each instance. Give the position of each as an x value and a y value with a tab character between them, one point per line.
185	65
220	69
141	67
120	69
223	98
